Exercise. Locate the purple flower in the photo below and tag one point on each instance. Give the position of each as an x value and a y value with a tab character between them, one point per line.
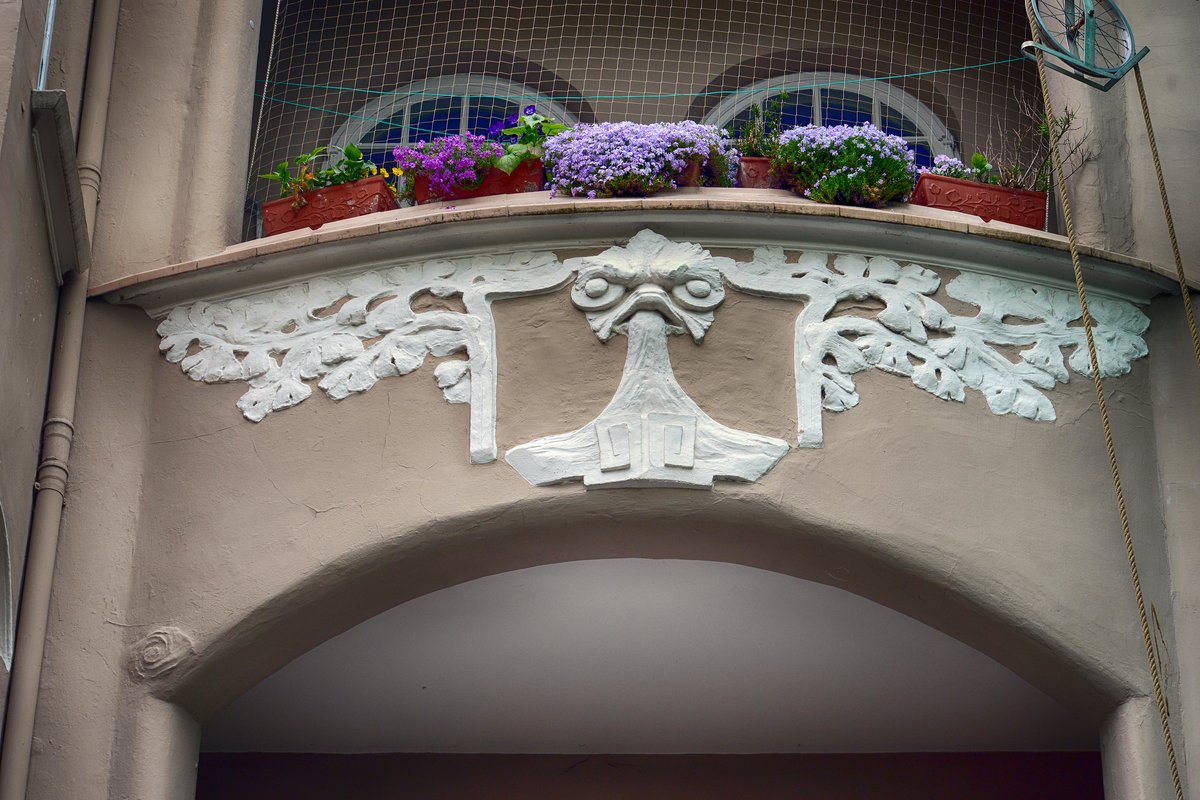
529	110
513	119
626	158
449	161
495	128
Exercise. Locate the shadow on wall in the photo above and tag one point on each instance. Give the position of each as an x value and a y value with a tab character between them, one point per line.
662	524
903	776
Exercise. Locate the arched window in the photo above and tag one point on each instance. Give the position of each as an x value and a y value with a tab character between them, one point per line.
835	98
436	107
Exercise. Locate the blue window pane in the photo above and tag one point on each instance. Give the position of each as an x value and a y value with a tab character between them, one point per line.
433	118
387	131
794	109
380	158
486	110
797	109
840	107
897	124
924	154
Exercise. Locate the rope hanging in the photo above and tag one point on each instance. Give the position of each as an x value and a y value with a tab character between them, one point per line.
1148	639
1162	193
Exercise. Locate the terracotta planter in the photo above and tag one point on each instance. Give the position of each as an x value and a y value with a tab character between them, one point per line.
754	172
327	205
529	176
1018	206
690	175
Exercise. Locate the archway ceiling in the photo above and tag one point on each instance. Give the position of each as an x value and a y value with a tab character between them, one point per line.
643	656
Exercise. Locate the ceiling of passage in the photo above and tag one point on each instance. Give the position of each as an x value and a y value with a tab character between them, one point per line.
643	656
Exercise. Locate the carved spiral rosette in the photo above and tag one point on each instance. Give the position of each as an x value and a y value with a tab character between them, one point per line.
161	651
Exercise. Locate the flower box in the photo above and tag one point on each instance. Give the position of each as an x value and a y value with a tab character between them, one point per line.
529	176
988	201
329	204
629	159
754	172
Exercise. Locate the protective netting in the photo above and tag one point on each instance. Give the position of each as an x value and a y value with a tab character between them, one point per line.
948	76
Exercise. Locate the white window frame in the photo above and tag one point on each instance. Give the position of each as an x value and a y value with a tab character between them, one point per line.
934	132
461	86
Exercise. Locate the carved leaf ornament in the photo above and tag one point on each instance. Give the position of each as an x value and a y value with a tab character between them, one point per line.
857	312
915	336
349	333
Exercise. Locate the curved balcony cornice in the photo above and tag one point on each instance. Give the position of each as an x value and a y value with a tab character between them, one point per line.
717	218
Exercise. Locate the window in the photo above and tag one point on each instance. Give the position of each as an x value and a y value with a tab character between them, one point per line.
833	98
438	107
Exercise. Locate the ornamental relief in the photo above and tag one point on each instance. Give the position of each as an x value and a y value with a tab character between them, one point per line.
346	334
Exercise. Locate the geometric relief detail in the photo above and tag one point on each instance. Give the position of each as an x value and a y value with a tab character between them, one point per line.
651	433
348	333
902	330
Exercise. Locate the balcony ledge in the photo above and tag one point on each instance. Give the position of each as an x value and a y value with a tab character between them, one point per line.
717	218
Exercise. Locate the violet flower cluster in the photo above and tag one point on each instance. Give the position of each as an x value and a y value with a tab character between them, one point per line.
627	158
460	160
850	165
977	170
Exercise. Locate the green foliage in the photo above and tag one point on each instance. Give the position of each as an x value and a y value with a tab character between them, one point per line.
848	165
531	130
352	166
759	135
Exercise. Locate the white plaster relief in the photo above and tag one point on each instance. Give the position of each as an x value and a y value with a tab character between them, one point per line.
651	433
280	340
913	335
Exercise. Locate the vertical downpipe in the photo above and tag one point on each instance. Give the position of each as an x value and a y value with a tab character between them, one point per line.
58	429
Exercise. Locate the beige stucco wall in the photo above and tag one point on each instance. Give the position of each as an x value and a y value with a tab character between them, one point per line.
175	154
28	299
261	540
1118	205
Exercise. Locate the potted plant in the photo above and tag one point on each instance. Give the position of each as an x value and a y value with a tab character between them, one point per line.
626	158
757	140
856	165
446	168
352	186
1014	189
507	161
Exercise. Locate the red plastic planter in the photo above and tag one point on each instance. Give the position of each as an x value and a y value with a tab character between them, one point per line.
328	205
527	177
1018	206
754	172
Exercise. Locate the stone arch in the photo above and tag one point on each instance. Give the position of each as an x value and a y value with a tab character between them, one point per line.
743	530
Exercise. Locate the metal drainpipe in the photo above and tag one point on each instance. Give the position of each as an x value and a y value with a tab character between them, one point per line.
58	429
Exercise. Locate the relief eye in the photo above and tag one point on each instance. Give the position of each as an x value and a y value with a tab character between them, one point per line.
595	287
699	288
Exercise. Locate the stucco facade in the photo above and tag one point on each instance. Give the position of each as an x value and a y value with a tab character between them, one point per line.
201	552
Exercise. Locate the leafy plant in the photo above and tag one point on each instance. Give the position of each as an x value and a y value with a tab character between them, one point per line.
525	137
849	165
459	160
1024	157
628	158
352	166
759	135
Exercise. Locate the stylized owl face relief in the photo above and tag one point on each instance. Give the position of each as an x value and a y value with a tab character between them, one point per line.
680	281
